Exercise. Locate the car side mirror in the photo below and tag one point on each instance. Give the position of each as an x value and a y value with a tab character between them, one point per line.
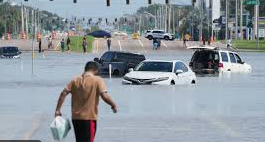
96	60
179	72
131	69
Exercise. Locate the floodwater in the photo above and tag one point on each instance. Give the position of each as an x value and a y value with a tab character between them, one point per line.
230	108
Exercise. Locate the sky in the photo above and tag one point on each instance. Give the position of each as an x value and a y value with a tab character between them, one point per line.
92	8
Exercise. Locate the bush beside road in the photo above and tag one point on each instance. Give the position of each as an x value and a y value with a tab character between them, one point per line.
76	43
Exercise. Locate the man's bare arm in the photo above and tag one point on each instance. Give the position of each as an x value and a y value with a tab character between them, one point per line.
106	98
62	97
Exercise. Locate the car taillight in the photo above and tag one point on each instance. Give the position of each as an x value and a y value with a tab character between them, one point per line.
220	65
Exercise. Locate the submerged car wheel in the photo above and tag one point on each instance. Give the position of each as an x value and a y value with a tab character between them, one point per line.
172	82
166	38
116	72
193	82
150	37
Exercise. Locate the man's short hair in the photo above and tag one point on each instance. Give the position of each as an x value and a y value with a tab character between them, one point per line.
91	66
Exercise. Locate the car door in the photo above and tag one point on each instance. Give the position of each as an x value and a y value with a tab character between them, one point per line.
225	61
239	63
105	61
233	65
181	78
155	34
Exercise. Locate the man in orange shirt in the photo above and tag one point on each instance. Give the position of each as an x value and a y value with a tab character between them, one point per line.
86	90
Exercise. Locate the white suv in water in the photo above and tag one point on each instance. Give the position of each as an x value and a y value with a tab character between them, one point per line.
151	34
211	60
160	73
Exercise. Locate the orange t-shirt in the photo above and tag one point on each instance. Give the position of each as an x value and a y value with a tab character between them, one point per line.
86	90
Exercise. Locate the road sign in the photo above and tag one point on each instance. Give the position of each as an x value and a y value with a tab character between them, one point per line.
251	2
261	32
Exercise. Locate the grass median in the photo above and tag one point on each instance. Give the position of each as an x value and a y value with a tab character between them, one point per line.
76	43
248	45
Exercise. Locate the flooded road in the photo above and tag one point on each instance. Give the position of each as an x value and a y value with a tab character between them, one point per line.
219	109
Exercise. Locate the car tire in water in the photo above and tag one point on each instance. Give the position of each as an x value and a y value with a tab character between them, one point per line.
116	72
166	38
150	37
193	82
172	82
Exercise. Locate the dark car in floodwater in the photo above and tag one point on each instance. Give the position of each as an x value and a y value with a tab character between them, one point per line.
120	62
9	52
100	34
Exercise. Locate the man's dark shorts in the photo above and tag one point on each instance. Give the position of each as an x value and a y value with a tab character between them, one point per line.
85	130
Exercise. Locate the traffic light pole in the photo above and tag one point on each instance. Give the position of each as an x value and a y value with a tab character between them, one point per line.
226	19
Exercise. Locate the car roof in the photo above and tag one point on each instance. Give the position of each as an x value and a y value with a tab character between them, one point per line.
208	48
196	47
163	61
8	47
125	52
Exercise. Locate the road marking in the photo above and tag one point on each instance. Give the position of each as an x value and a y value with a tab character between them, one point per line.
34	127
164	43
97	46
120	45
142	45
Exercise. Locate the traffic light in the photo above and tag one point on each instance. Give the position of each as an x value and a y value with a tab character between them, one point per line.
127	2
75	1
149	1
108	2
193	2
106	20
167	1
125	19
116	20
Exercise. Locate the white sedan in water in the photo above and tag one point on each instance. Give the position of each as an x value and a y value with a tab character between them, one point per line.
160	73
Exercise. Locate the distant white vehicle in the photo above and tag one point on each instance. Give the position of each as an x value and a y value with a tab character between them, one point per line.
160	73
209	59
119	33
151	34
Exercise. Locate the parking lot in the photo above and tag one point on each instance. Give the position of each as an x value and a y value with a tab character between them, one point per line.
225	108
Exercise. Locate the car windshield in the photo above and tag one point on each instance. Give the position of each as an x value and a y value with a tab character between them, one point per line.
155	66
10	50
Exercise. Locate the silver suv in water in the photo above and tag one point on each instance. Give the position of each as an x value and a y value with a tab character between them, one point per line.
151	34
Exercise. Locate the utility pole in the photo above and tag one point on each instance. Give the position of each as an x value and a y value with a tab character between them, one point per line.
226	19
165	18
255	25
32	43
174	26
241	20
169	18
26	15
22	18
236	13
200	28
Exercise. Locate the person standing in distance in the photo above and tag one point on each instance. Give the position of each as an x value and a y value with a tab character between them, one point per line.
108	43
62	45
40	50
68	42
84	44
86	90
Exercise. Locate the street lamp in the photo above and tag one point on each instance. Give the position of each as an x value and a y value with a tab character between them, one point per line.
145	12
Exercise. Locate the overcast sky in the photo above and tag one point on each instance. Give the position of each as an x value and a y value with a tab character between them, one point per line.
93	8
